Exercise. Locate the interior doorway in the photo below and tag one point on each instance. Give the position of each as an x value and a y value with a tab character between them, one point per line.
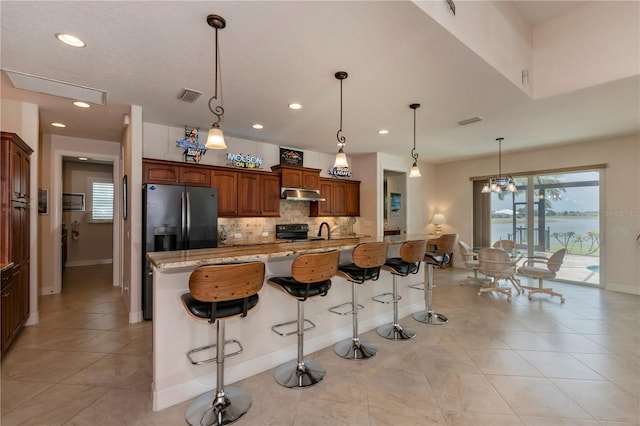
394	202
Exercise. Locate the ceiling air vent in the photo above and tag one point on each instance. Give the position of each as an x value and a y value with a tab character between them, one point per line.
189	95
470	121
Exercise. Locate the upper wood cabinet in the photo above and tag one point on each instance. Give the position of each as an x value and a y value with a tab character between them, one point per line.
298	177
172	173
246	193
342	198
227	183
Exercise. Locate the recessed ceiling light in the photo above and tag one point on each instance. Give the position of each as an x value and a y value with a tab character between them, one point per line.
70	40
383	132
82	158
81	104
295	106
258	126
58	125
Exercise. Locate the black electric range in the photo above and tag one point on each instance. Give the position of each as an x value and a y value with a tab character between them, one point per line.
294	232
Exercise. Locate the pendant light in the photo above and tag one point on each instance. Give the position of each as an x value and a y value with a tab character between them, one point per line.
415	170
499	183
341	157
215	138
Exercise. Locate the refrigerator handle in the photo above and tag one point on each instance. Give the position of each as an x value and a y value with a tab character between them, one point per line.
183	217
188	217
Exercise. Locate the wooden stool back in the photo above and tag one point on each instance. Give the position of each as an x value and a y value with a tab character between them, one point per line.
315	267
220	283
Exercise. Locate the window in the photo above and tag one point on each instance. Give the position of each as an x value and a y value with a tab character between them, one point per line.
101	201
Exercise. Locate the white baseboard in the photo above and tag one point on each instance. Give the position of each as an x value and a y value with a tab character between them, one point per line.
135	317
195	387
72	263
45	291
623	288
33	319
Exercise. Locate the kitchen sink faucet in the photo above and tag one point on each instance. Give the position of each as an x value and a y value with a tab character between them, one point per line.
328	230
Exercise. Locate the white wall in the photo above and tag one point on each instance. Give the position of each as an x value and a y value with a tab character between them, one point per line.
621	204
593	44
22	119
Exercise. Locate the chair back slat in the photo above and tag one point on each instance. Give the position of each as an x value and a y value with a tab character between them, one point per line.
495	261
315	267
219	283
413	251
370	255
555	261
447	243
507	245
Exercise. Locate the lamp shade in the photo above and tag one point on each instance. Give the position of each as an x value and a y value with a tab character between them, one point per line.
215	139
415	171
341	159
438	219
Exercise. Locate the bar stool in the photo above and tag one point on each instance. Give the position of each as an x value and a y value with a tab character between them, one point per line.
411	254
216	294
311	277
428	316
367	260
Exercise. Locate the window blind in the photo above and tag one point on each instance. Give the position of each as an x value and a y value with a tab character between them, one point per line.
102	201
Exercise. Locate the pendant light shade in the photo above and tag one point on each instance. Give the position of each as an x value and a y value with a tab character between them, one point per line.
341	157
415	170
498	183
215	138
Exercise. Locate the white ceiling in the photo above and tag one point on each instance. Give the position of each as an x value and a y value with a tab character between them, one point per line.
275	53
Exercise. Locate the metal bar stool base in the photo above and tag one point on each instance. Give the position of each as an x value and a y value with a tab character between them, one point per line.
353	349
292	375
395	332
204	412
431	318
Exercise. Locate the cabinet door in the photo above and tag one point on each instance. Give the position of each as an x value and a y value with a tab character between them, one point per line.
227	184
339	196
195	176
248	194
18	243
353	198
8	305
22	290
323	208
270	193
19	173
291	178
310	180
161	173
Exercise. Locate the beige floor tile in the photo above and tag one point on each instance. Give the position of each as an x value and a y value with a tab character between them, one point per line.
534	396
52	338
481	419
474	338
442	359
400	390
116	407
55	406
109	341
171	416
459	393
44	366
571	342
603	400
116	370
381	416
322	413
559	364
501	362
17	392
546	421
612	367
527	340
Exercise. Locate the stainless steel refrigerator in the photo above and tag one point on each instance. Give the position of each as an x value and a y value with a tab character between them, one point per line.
175	218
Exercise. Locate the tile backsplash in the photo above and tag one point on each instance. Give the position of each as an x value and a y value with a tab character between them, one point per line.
290	212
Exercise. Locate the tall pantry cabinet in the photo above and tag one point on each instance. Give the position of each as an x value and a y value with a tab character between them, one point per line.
15	166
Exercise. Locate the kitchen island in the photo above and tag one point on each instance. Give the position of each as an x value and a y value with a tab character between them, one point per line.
175	379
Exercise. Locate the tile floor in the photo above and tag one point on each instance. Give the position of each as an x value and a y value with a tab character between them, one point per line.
494	363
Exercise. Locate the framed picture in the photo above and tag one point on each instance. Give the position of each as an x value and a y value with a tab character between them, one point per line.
43	201
73	202
291	157
124	197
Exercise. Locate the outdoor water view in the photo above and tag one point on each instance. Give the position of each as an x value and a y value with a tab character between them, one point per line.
565	214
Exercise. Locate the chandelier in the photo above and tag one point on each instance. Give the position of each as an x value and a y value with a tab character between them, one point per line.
500	183
415	170
341	157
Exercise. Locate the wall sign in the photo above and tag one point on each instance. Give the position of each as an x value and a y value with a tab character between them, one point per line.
192	149
340	172
291	157
244	161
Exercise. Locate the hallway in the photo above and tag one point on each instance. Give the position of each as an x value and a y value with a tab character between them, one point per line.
494	363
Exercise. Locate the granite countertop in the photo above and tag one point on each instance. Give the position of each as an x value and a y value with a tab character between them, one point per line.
260	251
5	266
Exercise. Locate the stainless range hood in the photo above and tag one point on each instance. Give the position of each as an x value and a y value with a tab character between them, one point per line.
298	194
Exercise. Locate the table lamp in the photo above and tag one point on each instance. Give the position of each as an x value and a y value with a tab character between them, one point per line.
438	220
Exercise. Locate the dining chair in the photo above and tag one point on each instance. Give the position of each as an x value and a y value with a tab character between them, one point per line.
507	245
548	269
496	263
471	261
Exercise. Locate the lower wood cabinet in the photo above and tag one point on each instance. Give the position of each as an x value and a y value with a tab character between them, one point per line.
342	198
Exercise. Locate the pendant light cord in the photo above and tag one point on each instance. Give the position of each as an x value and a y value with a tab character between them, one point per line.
218	111
341	139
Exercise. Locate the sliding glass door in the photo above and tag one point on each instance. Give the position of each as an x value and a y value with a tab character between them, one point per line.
550	212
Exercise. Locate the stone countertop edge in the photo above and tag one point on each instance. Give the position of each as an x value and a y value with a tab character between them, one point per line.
246	253
5	266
